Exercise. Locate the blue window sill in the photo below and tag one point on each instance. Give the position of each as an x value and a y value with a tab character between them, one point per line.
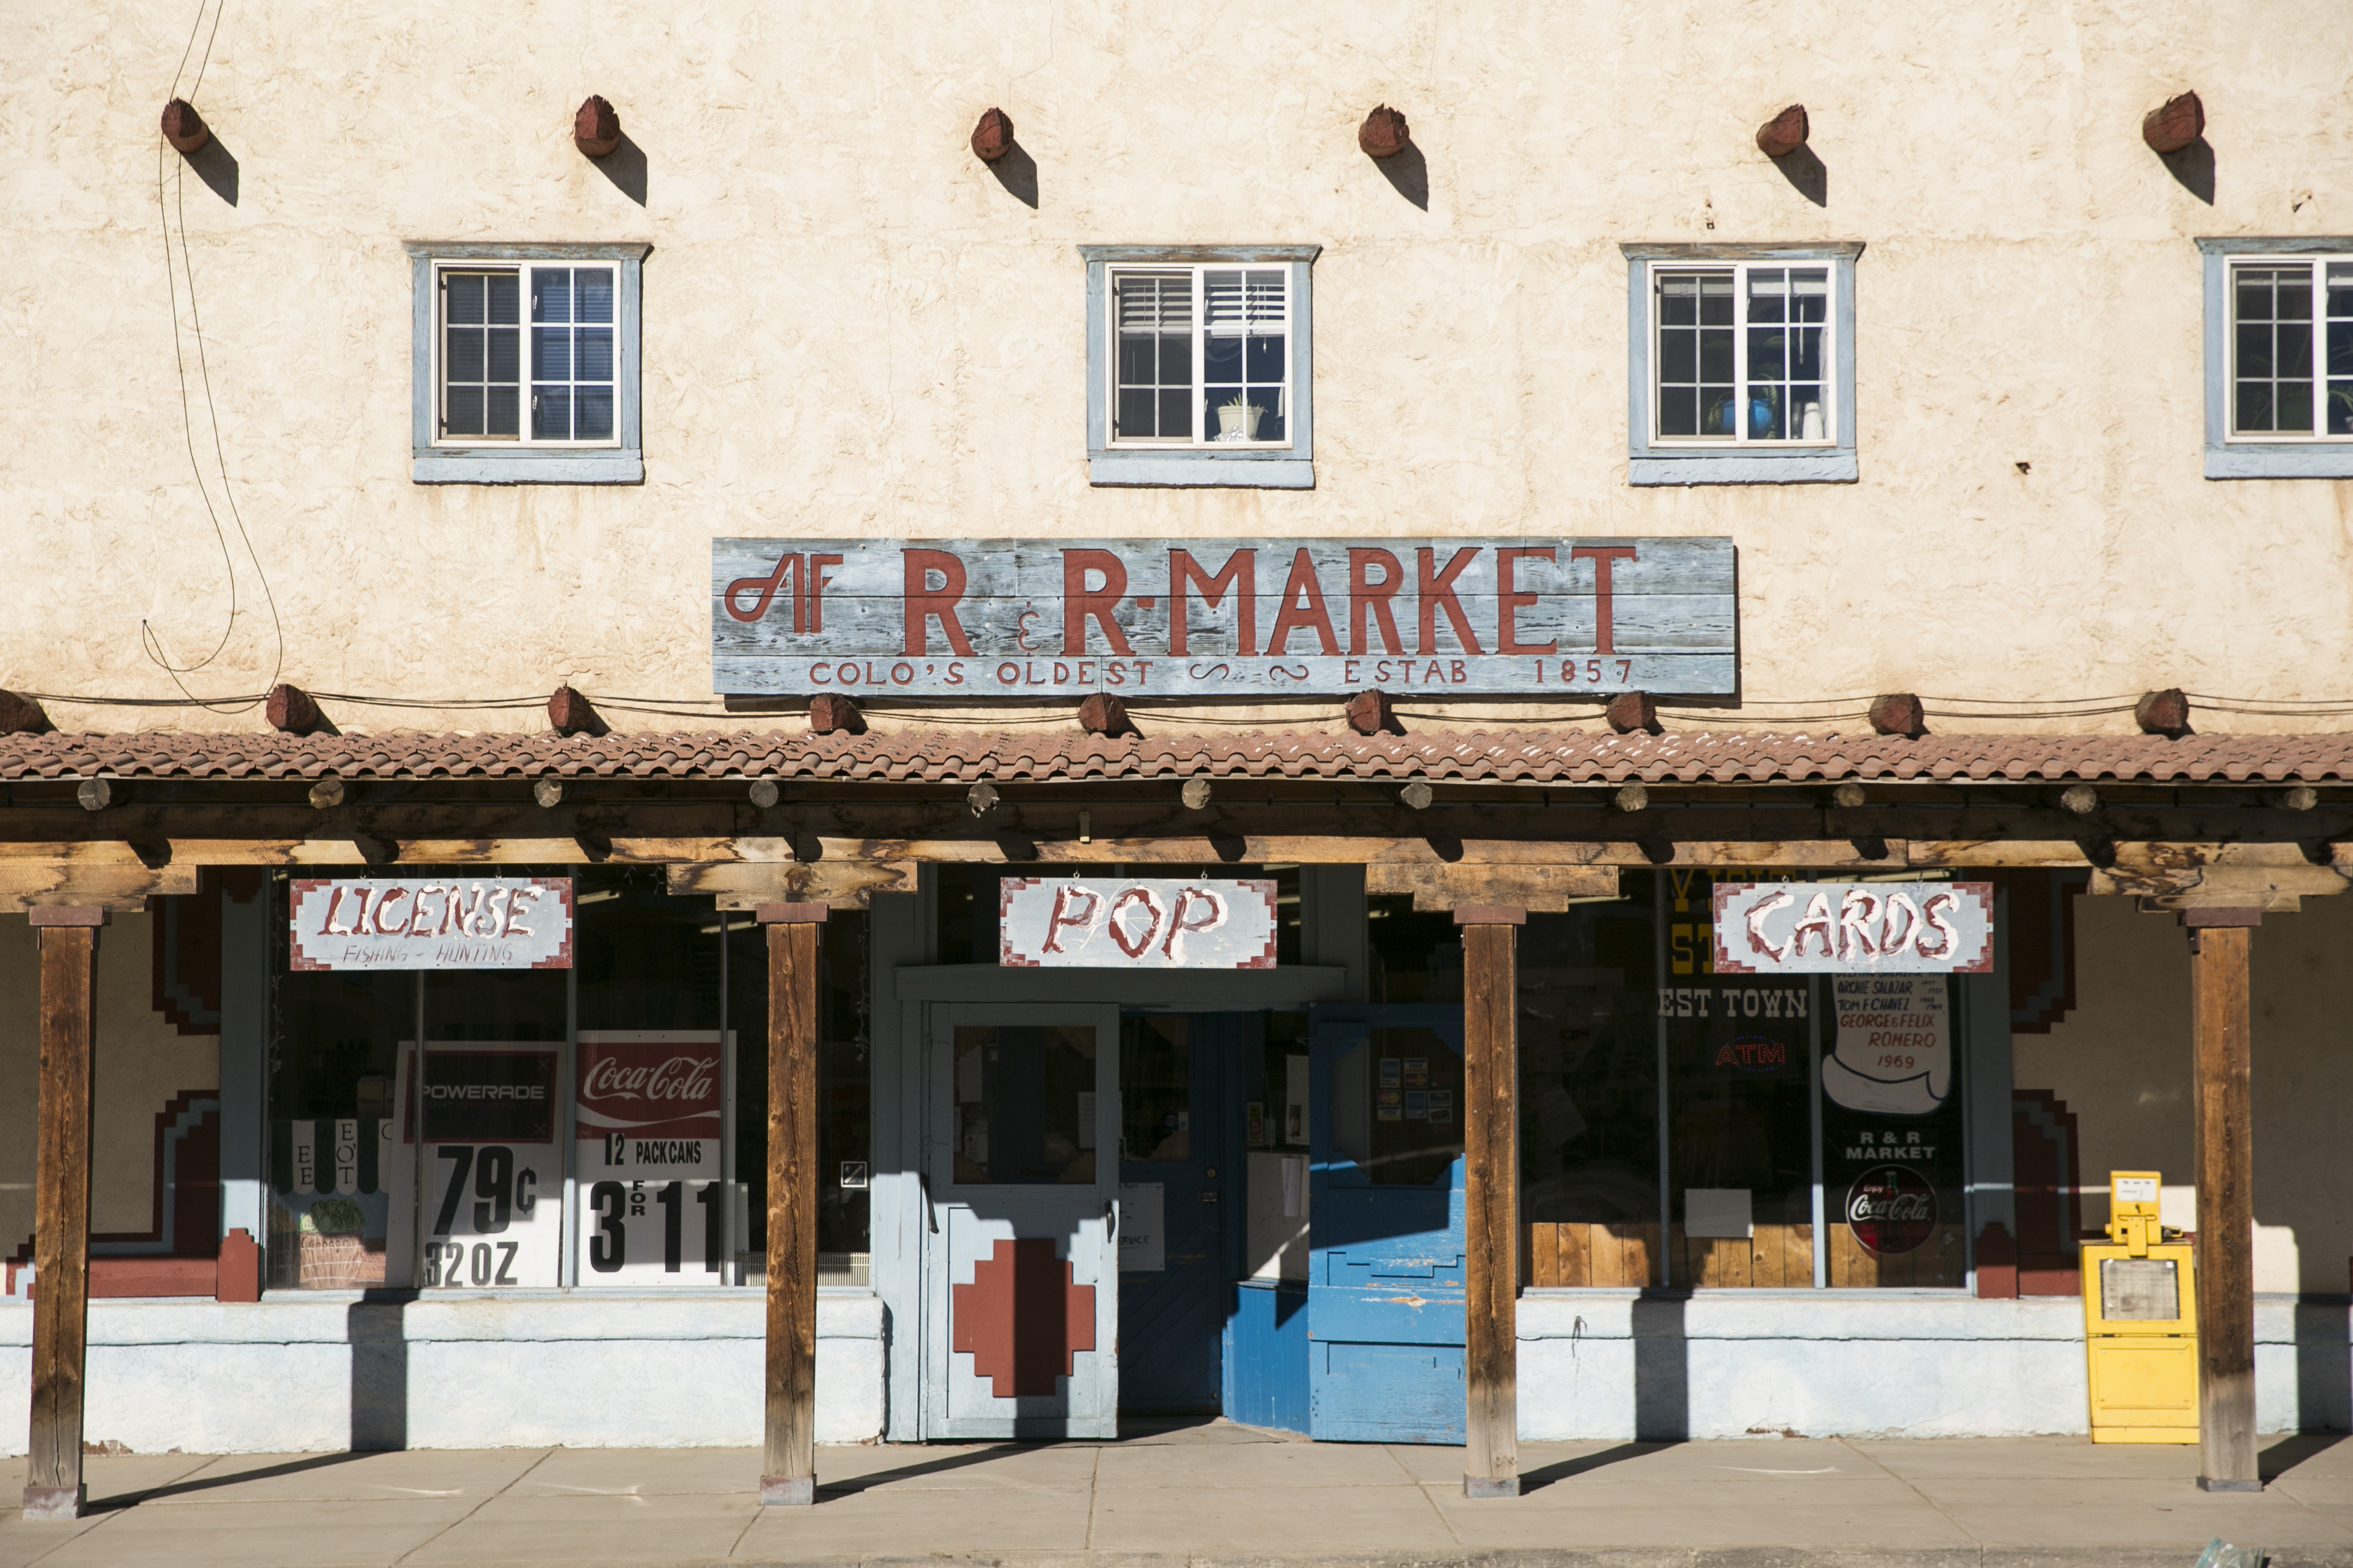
2281	462
529	467
1253	470
1834	468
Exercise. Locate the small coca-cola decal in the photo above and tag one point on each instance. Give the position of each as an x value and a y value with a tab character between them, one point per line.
1891	1210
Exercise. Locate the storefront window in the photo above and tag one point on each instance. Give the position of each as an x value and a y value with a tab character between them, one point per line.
1025	1104
575	1121
1810	1128
1155	1087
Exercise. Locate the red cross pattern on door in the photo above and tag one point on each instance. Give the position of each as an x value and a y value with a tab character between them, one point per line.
1022	1319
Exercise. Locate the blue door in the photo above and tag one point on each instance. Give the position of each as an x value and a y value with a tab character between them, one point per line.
1180	1153
1385	1255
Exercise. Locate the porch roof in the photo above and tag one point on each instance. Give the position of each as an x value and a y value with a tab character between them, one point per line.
1532	756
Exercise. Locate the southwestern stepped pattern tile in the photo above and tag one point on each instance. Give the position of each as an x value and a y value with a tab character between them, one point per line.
1531	756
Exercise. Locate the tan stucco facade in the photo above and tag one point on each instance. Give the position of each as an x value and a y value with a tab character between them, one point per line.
852	328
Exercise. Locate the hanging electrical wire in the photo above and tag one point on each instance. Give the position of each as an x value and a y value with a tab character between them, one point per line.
151	641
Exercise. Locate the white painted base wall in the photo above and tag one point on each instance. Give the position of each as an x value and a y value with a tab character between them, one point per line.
320	1374
1606	1364
294	1375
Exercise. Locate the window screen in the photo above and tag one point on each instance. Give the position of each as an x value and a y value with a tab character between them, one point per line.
2291	349
481	353
1742	355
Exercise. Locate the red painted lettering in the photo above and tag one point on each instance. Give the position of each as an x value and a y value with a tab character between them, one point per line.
1303	608
813	582
925	602
1366	595
1509	602
788	565
1119	934
1603	557
1437	591
1240	578
1066	916
1081	603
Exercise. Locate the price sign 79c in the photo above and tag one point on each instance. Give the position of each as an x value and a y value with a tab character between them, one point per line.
490	1228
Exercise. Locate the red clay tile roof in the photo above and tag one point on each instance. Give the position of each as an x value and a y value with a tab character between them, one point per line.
1528	756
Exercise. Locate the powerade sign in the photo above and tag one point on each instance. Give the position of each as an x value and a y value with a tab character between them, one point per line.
490	1097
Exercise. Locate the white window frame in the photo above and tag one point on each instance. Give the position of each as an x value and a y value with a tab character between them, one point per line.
442	267
1740	271
1198	271
2316	263
1154	461
523	458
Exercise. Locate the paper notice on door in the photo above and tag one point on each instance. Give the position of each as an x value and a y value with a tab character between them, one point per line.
1142	1244
1295	1096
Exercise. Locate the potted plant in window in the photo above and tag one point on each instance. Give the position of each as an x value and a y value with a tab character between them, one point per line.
1238	418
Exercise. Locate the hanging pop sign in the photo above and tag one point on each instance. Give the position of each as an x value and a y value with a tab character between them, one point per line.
1853	928
430	922
1146	923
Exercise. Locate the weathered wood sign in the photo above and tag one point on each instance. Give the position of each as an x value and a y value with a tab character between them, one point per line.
1135	923
430	922
1245	617
1853	928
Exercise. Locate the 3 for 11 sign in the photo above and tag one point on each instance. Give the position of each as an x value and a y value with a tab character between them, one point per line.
1143	923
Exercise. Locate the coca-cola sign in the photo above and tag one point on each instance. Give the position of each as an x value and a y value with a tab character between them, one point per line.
1891	1210
651	1085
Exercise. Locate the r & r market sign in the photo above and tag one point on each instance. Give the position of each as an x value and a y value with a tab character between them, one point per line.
962	618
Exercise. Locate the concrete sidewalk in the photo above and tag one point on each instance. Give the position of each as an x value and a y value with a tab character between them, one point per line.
1208	1495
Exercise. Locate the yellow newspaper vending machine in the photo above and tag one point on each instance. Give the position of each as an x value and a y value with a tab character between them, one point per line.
2140	1322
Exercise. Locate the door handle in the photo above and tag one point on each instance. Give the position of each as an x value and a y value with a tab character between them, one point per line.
1110	1218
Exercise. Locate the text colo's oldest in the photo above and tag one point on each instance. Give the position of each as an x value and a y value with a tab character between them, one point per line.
1253	617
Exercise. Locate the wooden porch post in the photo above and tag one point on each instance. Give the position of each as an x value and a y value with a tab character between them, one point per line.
1491	1187
788	1469
2223	1168
53	1483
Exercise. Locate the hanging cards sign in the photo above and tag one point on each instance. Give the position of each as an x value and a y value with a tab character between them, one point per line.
962	618
1853	928
430	922
1135	923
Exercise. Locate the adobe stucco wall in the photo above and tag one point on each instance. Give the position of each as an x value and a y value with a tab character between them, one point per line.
2121	1061
850	327
142	1061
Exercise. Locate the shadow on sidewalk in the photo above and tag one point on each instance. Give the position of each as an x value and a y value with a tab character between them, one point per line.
1568	1469
232	1478
857	1484
2291	1451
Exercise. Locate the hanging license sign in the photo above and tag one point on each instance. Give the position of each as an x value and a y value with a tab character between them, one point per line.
429	922
1854	928
1146	923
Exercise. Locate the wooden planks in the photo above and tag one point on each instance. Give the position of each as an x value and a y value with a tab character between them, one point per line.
53	1482
2222	1159
1489	1202
788	1467
1445	886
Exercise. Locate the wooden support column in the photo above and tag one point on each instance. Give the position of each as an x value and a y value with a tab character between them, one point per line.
53	1483
788	1468
1491	1187
2225	1169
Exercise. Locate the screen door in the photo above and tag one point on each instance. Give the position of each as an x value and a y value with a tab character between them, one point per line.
1020	1176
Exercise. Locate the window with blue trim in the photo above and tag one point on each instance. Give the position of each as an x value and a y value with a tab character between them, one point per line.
526	364
1198	365
1741	364
2279	358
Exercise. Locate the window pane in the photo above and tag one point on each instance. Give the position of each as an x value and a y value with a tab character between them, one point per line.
1271	423
1767	295
550	294
1263	357
1678	357
594	414
465	353
551	413
2254	350
505	355
505	298
1678	411
464	415
1025	1097
2255	406
1892	1135
502	414
1678	301
1237	413
2293	402
593	351
464	292
1134	416
2272	340
594	287
1221	359
1156	1088
1155	315
2338	395
2295	351
1716	300
1175	419
1783	353
1809	295
1716	355
551	354
1175	359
